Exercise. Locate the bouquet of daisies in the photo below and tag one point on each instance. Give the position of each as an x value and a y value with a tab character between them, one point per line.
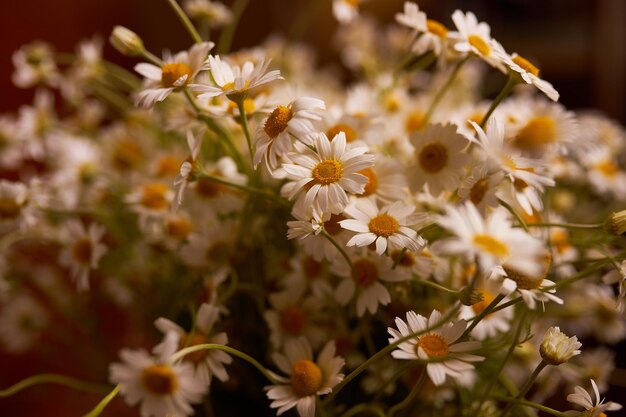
225	232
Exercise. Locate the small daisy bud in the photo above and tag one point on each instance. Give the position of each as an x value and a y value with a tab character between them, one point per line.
126	41
557	348
615	223
469	296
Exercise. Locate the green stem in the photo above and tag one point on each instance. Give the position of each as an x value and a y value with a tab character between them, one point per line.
531	404
209	346
185	20
436	286
386	350
242	187
364	408
399	406
246	130
506	90
593	268
529	383
442	91
568	225
514	212
228	33
476	319
50	379
102	404
152	58
340	249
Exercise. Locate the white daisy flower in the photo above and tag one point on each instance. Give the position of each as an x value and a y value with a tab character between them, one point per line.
432	35
366	280
176	72
34	64
151	199
480	188
385	180
475	37
273	138
83	251
162	387
307	379
207	363
14	201
604	173
21	323
234	81
327	173
449	355
388	226
194	142
592	408
439	160
556	348
528	72
493	240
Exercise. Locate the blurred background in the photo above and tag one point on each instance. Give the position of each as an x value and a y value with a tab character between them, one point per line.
580	46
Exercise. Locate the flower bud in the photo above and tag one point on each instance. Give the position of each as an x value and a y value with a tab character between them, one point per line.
556	348
126	41
615	223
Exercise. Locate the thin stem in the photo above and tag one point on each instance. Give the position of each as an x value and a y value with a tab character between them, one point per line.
384	351
436	286
529	383
568	225
246	130
51	379
593	268
399	258
442	91
514	212
185	20
213	346
506	90
152	58
339	248
399	406
228	33
476	319
242	187
531	404
364	408
102	404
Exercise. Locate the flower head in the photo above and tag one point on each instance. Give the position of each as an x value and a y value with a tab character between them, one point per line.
592	408
556	348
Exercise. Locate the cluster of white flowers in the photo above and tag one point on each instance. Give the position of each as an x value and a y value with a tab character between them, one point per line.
260	211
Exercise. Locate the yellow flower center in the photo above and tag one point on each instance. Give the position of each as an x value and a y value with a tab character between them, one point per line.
341	127
433	158
525	282
415	121
526	65
231	86
479	44
327	172
154	196
306	378
539	131
127	155
491	245
277	121
332	225
159	380
481	305
249	106
476	118
372	181
9	208
365	272
478	191
406	259
383	225
608	168
168	166
170	73
436	28
433	345
207	188
177	227
293	320
196	339
353	2
560	241
82	250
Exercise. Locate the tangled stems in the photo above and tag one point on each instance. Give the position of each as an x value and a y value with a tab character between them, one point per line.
481	315
525	388
185	21
506	90
208	346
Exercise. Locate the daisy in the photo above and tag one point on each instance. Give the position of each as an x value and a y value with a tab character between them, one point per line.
151	199
34	64
432	35
388	227
234	81
327	173
163	387
274	136
603	172
441	345
556	348
83	251
21	323
439	160
480	188
493	240
592	408
194	142
385	180
206	362
14	199
175	73
475	37
364	281
527	72
307	379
